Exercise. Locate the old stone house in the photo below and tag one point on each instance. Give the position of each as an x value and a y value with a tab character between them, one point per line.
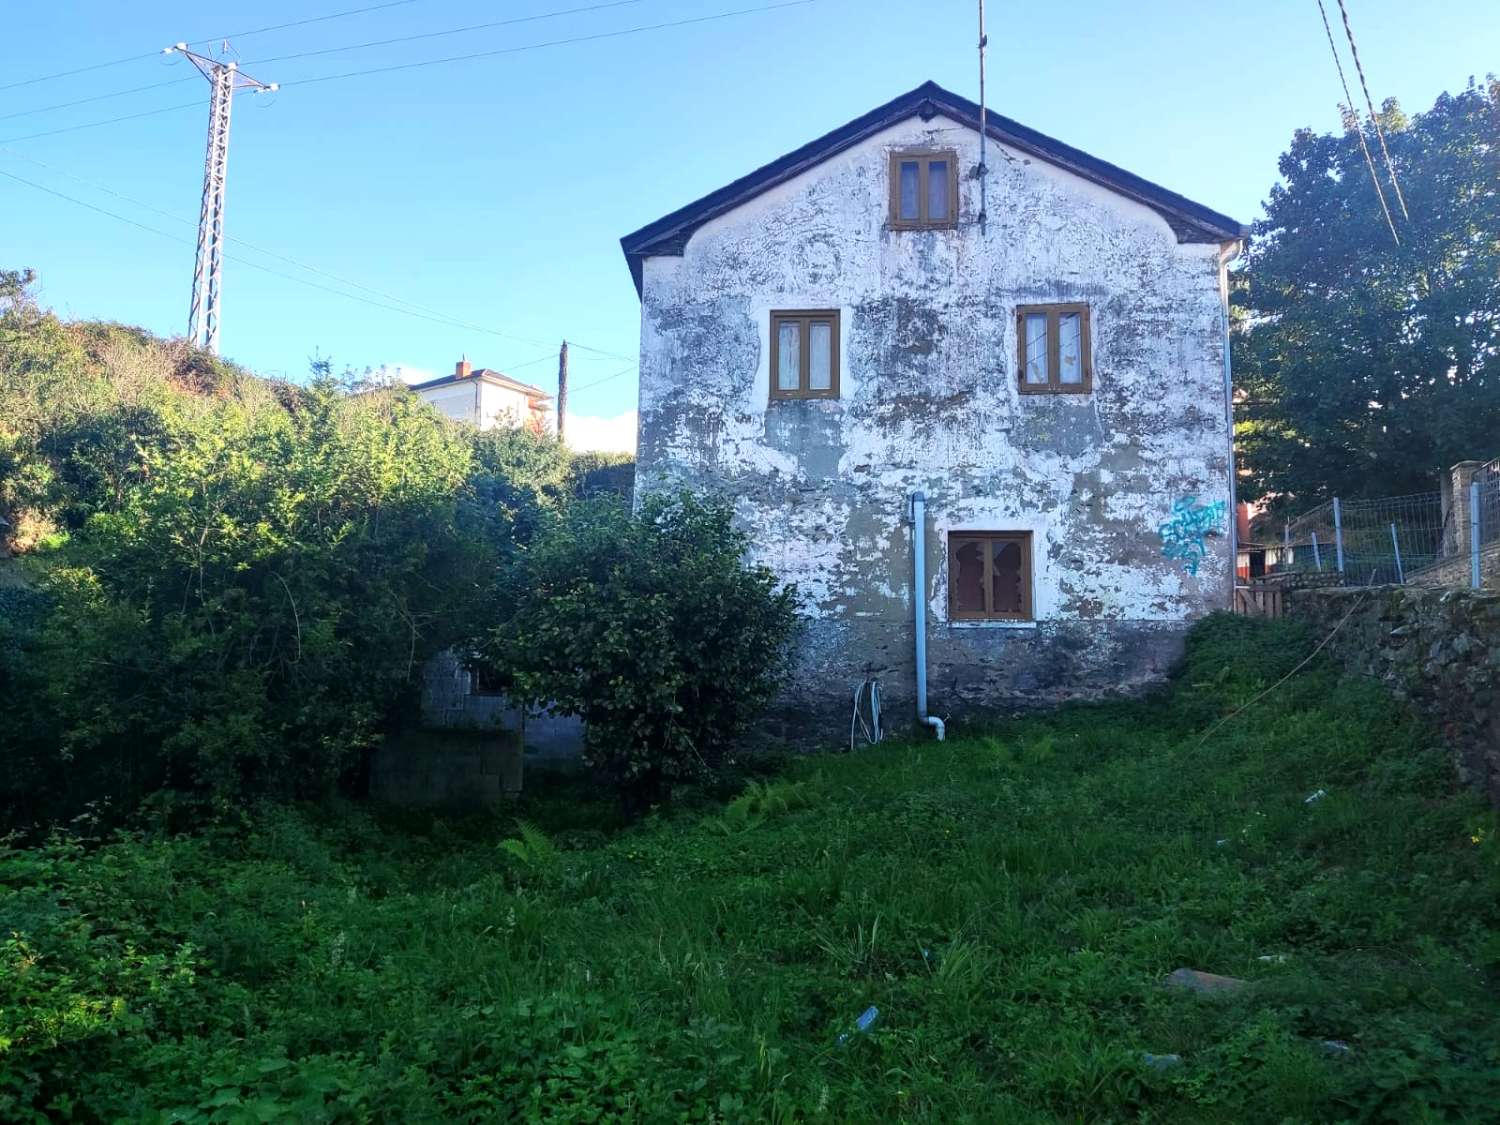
991	408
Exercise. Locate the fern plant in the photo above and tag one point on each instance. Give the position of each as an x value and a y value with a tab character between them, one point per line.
760	801
534	849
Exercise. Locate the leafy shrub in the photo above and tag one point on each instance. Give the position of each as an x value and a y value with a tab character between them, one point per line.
519	478
250	614
593	473
651	627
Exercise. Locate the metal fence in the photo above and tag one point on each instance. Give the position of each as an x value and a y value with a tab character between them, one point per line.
1445	538
1486	502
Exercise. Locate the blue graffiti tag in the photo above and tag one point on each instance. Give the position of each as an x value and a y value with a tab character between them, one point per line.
1183	535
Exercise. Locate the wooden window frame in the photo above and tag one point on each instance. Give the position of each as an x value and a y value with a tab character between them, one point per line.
957	539
1054	384
804	318
923	156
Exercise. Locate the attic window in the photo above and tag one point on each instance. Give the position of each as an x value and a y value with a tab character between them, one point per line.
805	354
989	576
924	189
1053	349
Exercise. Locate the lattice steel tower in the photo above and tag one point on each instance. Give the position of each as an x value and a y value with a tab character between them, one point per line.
225	80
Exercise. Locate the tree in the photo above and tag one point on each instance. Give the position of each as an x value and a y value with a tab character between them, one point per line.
1363	367
650	626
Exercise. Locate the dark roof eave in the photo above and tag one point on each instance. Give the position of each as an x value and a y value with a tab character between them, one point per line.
1192	222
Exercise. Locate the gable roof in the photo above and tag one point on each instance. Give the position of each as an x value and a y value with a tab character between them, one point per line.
1192	222
485	375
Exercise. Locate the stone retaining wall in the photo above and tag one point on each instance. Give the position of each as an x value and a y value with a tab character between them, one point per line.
1438	649
1459	570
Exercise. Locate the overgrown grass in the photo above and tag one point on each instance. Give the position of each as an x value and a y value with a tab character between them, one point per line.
1010	901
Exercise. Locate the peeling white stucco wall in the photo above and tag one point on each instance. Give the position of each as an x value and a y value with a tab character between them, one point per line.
929	401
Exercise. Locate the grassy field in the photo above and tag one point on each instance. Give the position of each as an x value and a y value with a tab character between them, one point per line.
1010	901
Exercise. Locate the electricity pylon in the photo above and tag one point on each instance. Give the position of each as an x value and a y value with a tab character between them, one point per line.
225	80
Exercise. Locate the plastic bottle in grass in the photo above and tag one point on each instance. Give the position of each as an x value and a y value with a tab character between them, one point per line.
862	1025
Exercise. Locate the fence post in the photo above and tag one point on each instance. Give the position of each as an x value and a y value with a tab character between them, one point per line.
1474	533
1396	546
1317	555
1286	545
1338	534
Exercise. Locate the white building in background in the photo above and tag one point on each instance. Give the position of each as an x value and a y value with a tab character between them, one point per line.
485	398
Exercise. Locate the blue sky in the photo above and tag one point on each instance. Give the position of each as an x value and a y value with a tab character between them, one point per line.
494	191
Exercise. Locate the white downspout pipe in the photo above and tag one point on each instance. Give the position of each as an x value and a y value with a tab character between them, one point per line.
1228	252
919	603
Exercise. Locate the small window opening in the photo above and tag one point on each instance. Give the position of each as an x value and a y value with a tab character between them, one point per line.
1053	349
805	354
989	576
924	190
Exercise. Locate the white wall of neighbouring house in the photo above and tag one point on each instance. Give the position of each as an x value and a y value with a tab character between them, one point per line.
502	406
457	401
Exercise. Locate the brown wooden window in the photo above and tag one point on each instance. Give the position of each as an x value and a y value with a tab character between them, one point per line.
989	576
924	190
805	354
1052	343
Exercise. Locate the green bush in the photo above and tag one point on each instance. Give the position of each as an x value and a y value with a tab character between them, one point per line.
650	626
232	582
593	473
249	616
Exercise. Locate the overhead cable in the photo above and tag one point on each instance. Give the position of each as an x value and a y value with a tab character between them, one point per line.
1374	117
1358	126
401	306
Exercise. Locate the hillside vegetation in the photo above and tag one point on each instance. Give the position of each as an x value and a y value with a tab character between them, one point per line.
1010	902
227	583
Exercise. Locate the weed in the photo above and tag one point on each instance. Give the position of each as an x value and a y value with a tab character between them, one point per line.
534	849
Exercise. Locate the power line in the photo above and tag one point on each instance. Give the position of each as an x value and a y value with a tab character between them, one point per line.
1358	125
90	206
305	22
607	378
77	70
106	121
449	31
437	318
211	39
329	51
95	98
186	242
549	43
529	363
426	62
424	314
1374	118
598	357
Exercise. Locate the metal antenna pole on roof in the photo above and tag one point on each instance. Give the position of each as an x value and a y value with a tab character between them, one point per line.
983	131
